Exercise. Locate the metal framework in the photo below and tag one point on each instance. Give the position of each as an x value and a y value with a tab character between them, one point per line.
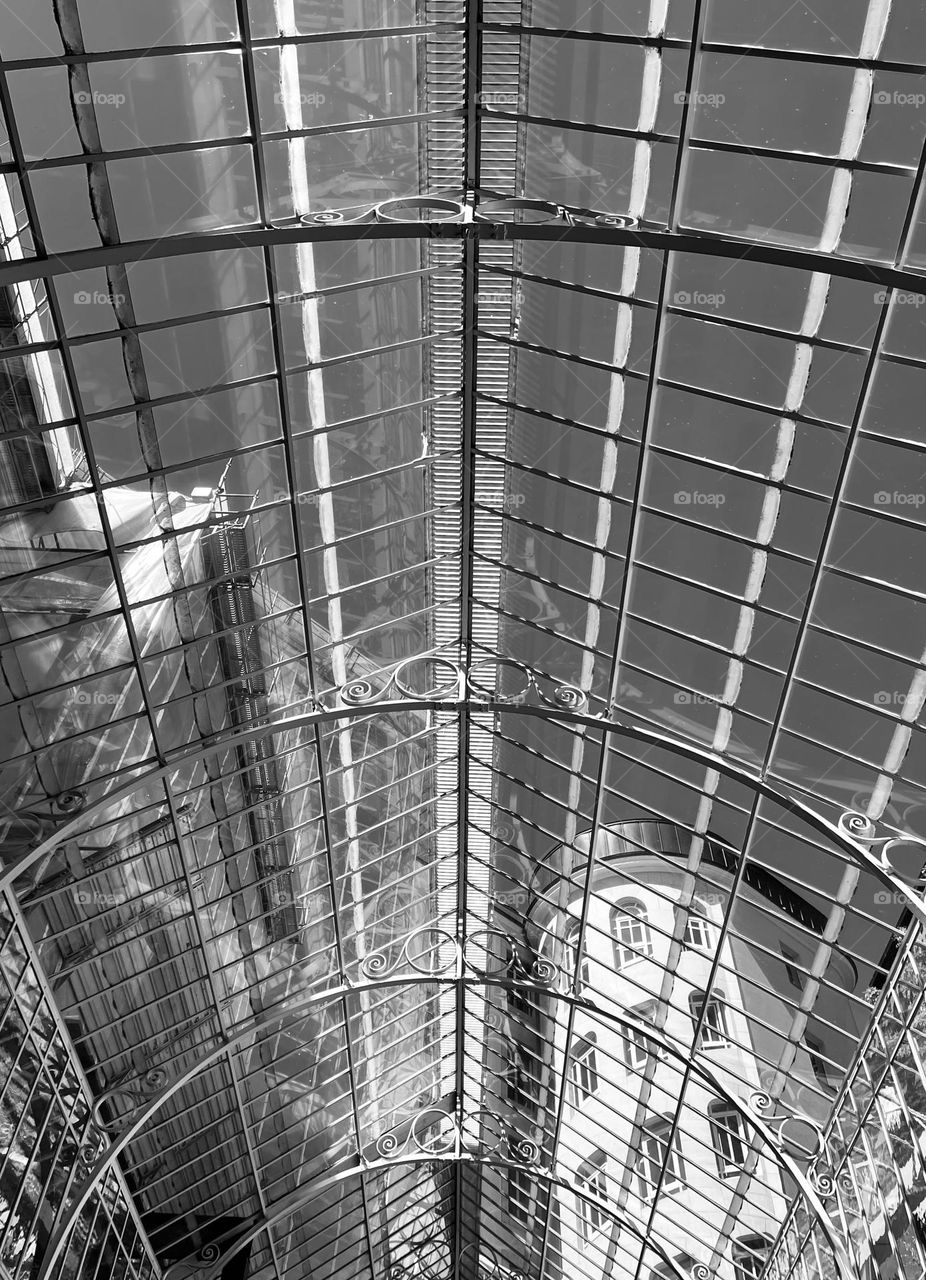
387	1146
429	450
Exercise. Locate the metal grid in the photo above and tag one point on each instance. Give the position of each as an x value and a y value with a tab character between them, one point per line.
262	466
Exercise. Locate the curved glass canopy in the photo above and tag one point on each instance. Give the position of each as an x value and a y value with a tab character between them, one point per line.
463	657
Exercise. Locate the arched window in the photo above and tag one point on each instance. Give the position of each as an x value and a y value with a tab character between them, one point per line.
750	1256
592	1179
698	931
656	1152
630	933
714	1027
583	1071
729	1138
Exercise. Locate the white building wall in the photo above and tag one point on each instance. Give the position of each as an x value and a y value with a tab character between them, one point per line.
691	1217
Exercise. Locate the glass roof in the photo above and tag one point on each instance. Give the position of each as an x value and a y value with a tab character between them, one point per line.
462	662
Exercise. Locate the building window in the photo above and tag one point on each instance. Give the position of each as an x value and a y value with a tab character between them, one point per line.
818	1061
523	1087
730	1145
792	960
583	1073
637	1048
655	1152
698	932
570	947
630	933
592	1180
714	1027
519	1195
750	1256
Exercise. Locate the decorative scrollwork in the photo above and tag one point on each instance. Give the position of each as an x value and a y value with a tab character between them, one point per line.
569	696
489	1265
435	952
209	1253
69	802
525	1150
866	832
504	958
440	208
92	1145
357	692
824	1183
700	1272
544	972
435	1132
480	680
137	1093
387	1144
420	951
798	1136
31	826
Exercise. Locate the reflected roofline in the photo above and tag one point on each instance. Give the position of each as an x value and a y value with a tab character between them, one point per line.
717	853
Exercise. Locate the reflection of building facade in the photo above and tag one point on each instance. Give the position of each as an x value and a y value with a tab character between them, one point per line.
654	948
184	914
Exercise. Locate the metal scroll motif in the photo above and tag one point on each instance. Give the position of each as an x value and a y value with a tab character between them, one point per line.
189	1268
489	1265
446	207
802	1139
486	953
455	681
868	833
27	825
92	1145
479	1133
419	1268
138	1093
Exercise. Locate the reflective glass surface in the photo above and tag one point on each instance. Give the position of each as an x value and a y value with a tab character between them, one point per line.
461	640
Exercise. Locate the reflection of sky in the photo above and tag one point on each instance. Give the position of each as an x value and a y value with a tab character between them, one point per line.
729	634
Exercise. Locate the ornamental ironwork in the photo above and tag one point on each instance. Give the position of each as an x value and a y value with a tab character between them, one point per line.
443	207
477	1134
802	1139
432	951
901	854
462	680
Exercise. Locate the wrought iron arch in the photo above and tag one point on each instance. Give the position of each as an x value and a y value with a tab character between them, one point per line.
854	833
543	978
217	1261
574	226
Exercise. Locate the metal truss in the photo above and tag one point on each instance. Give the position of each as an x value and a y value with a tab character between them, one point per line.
214	1261
463	691
541	976
854	834
464	222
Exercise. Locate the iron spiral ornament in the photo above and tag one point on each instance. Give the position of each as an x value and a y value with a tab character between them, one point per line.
883	840
437	676
432	951
479	1134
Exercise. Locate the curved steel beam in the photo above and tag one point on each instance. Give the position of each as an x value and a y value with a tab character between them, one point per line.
320	1185
841	835
302	1006
19	270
